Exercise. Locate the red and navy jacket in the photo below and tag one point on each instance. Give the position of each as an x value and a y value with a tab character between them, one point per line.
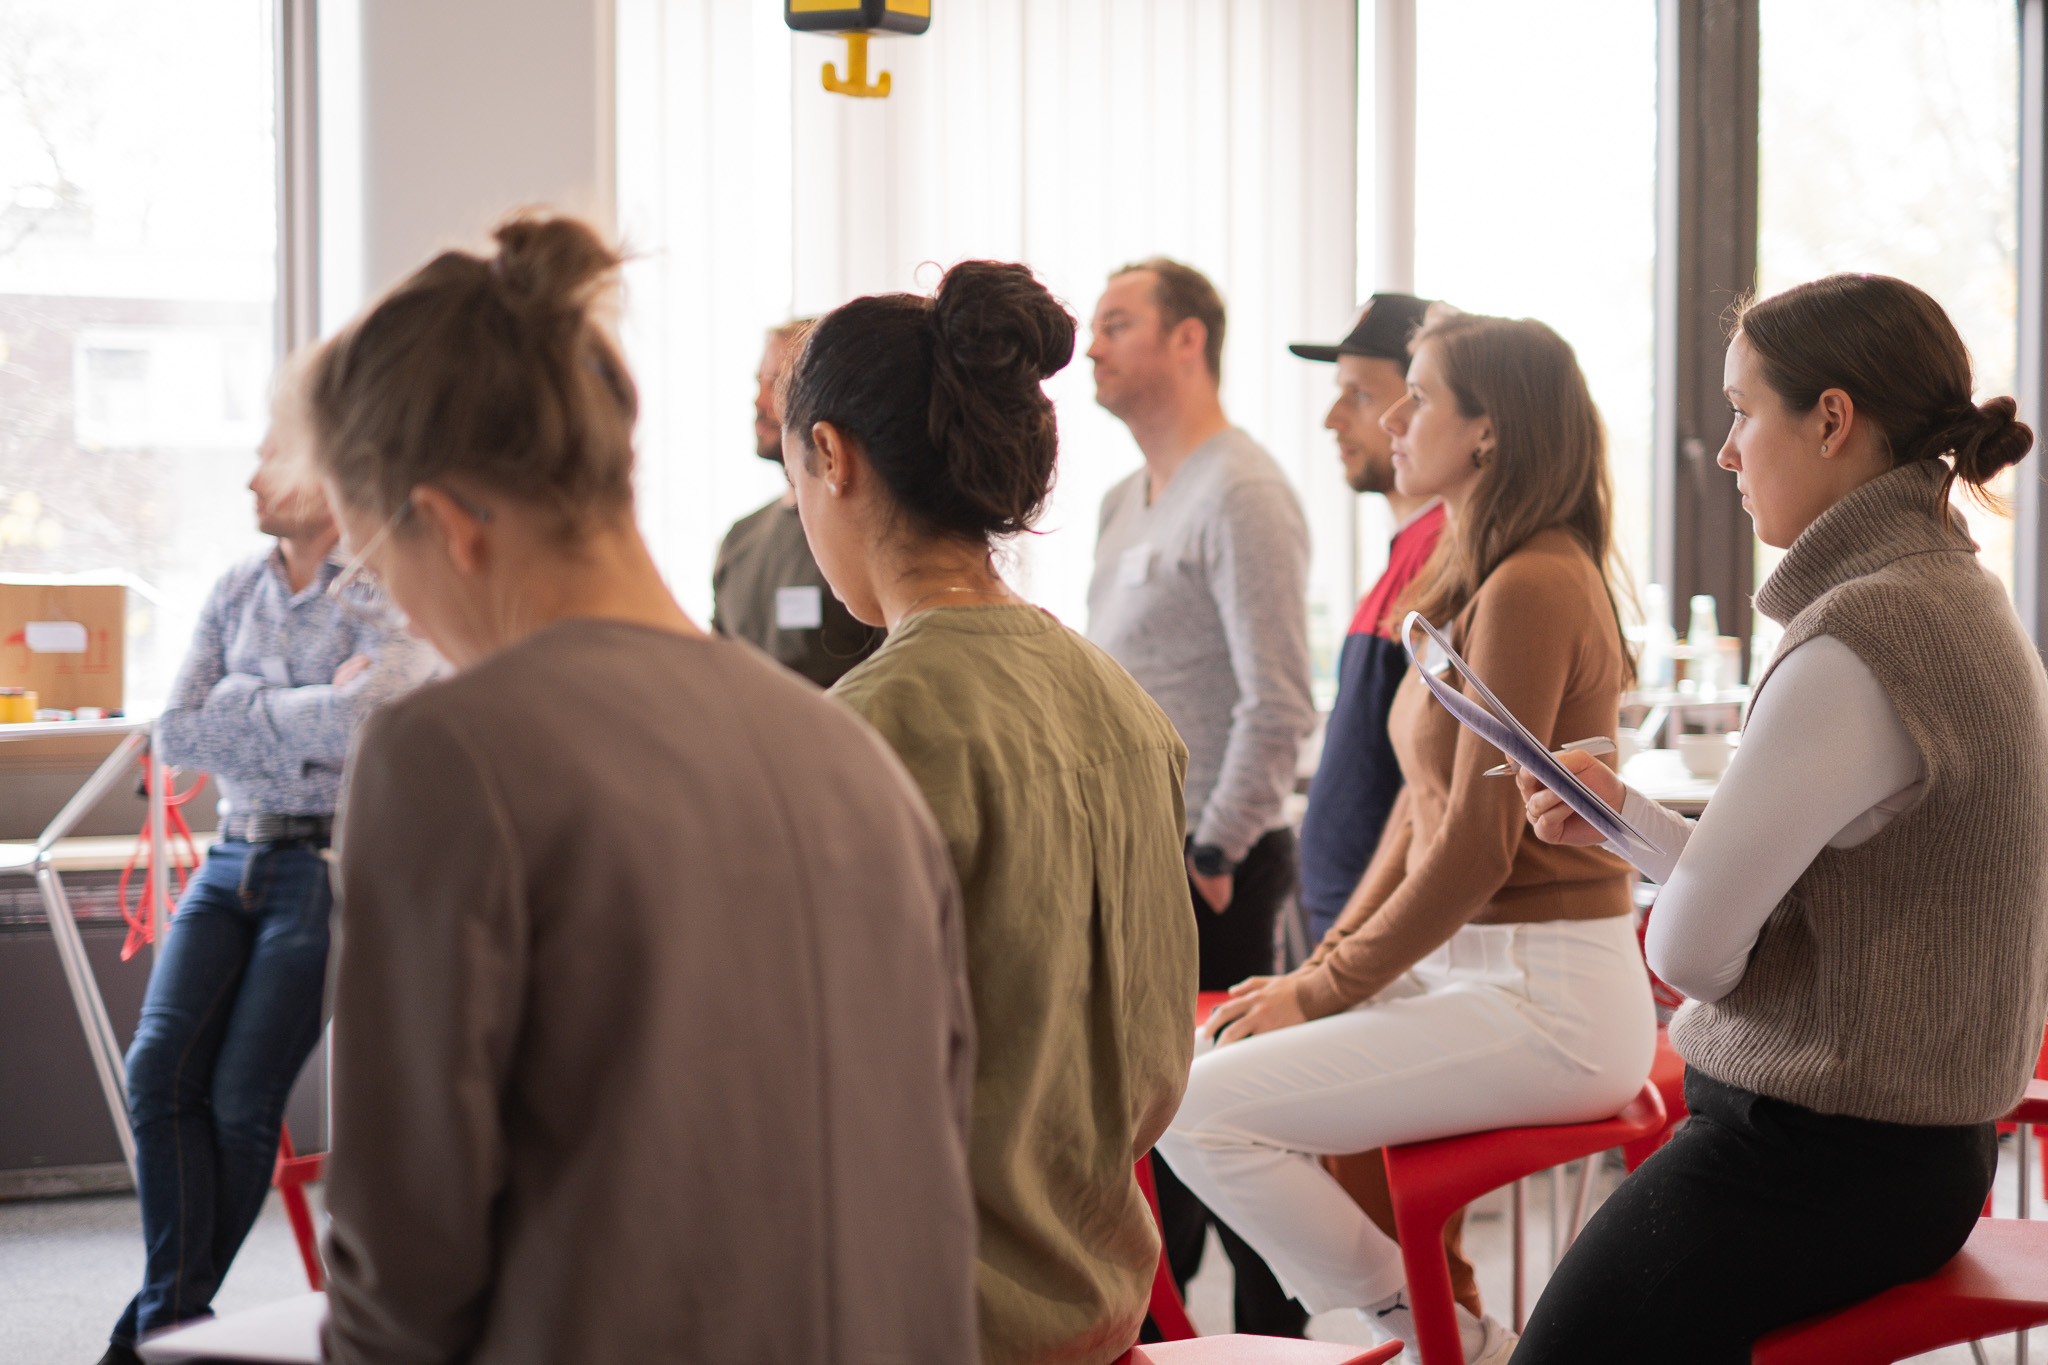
1358	778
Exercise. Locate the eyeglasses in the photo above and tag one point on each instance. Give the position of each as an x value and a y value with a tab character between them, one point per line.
357	590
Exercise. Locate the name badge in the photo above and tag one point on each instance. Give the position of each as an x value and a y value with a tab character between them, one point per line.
274	671
799	608
1134	566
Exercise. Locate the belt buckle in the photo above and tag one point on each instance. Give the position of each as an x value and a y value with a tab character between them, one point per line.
266	828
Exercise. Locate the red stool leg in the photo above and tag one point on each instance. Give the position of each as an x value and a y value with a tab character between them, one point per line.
1419	1225
1169	1314
293	1192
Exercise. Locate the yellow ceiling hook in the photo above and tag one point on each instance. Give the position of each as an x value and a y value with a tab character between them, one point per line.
857	21
856	82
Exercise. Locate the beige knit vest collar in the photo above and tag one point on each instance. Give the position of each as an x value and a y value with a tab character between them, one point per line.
1895	515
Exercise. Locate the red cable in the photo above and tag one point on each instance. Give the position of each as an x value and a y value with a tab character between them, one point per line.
141	927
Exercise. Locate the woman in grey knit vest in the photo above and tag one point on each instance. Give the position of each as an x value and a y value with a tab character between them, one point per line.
1858	915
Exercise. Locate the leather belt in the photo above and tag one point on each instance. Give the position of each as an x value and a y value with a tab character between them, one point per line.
262	827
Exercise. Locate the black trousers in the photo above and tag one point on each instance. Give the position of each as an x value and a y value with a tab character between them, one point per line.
1234	945
1758	1213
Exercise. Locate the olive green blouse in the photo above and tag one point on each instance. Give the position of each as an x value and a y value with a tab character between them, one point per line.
1057	785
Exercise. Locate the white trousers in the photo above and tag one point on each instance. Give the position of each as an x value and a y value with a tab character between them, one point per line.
1506	1025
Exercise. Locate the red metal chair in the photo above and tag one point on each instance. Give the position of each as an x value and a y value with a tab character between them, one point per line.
1432	1180
1250	1350
291	1175
1997	1283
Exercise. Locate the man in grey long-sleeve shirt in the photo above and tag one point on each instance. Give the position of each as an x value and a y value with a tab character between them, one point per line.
1200	590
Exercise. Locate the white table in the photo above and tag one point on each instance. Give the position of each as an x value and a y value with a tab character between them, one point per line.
36	860
1661	775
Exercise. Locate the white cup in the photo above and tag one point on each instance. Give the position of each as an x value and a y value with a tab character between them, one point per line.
1705	756
1626	743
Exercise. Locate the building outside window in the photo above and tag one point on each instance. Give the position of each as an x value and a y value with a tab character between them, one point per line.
137	282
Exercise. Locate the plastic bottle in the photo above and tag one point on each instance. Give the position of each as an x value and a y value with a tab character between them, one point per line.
1654	668
1704	635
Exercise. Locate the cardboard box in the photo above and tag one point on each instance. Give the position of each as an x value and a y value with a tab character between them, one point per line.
64	639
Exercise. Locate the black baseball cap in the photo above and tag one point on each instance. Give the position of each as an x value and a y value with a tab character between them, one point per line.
1383	330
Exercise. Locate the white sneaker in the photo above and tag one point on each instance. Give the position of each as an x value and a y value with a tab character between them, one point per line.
1394	1322
1495	1345
1486	1340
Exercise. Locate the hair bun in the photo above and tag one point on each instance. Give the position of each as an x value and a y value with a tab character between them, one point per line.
996	321
553	264
1985	439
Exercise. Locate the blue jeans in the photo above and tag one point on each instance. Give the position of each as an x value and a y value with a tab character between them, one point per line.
232	1012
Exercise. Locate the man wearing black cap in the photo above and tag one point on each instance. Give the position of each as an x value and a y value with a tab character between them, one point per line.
1358	776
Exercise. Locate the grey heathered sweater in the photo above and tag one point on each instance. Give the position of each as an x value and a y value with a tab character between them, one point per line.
1905	979
1203	597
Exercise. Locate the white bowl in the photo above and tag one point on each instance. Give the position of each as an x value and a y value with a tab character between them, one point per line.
1705	756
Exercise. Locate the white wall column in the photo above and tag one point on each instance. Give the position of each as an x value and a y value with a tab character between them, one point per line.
1393	87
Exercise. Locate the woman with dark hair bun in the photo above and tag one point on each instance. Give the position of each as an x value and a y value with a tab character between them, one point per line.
1858	917
651	1031
918	435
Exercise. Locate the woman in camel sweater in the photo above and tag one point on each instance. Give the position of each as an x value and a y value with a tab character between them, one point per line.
1478	978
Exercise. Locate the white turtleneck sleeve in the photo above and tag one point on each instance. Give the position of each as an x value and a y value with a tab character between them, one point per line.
1824	762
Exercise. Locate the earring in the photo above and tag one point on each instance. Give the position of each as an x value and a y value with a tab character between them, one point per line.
1479	459
1823	447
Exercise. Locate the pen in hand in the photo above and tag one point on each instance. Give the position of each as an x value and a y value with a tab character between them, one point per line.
1598	744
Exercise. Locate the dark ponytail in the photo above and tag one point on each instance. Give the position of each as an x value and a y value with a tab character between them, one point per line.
499	369
943	395
1892	349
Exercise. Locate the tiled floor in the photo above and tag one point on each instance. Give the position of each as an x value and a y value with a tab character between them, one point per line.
68	1266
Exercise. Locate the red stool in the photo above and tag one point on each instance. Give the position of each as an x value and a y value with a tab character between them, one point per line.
1250	1350
1432	1180
1667	1073
291	1175
1997	1283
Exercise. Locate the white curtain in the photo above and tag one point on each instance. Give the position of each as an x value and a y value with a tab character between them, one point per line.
1073	135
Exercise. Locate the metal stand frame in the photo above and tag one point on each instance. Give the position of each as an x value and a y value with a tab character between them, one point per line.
34	859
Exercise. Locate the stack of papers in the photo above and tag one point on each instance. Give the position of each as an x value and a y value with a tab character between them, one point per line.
1492	722
283	1333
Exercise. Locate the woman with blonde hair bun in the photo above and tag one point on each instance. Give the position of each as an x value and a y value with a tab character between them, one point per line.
651	1036
1478	978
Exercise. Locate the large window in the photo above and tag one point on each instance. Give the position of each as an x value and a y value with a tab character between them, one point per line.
1071	135
137	281
1889	143
1535	195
